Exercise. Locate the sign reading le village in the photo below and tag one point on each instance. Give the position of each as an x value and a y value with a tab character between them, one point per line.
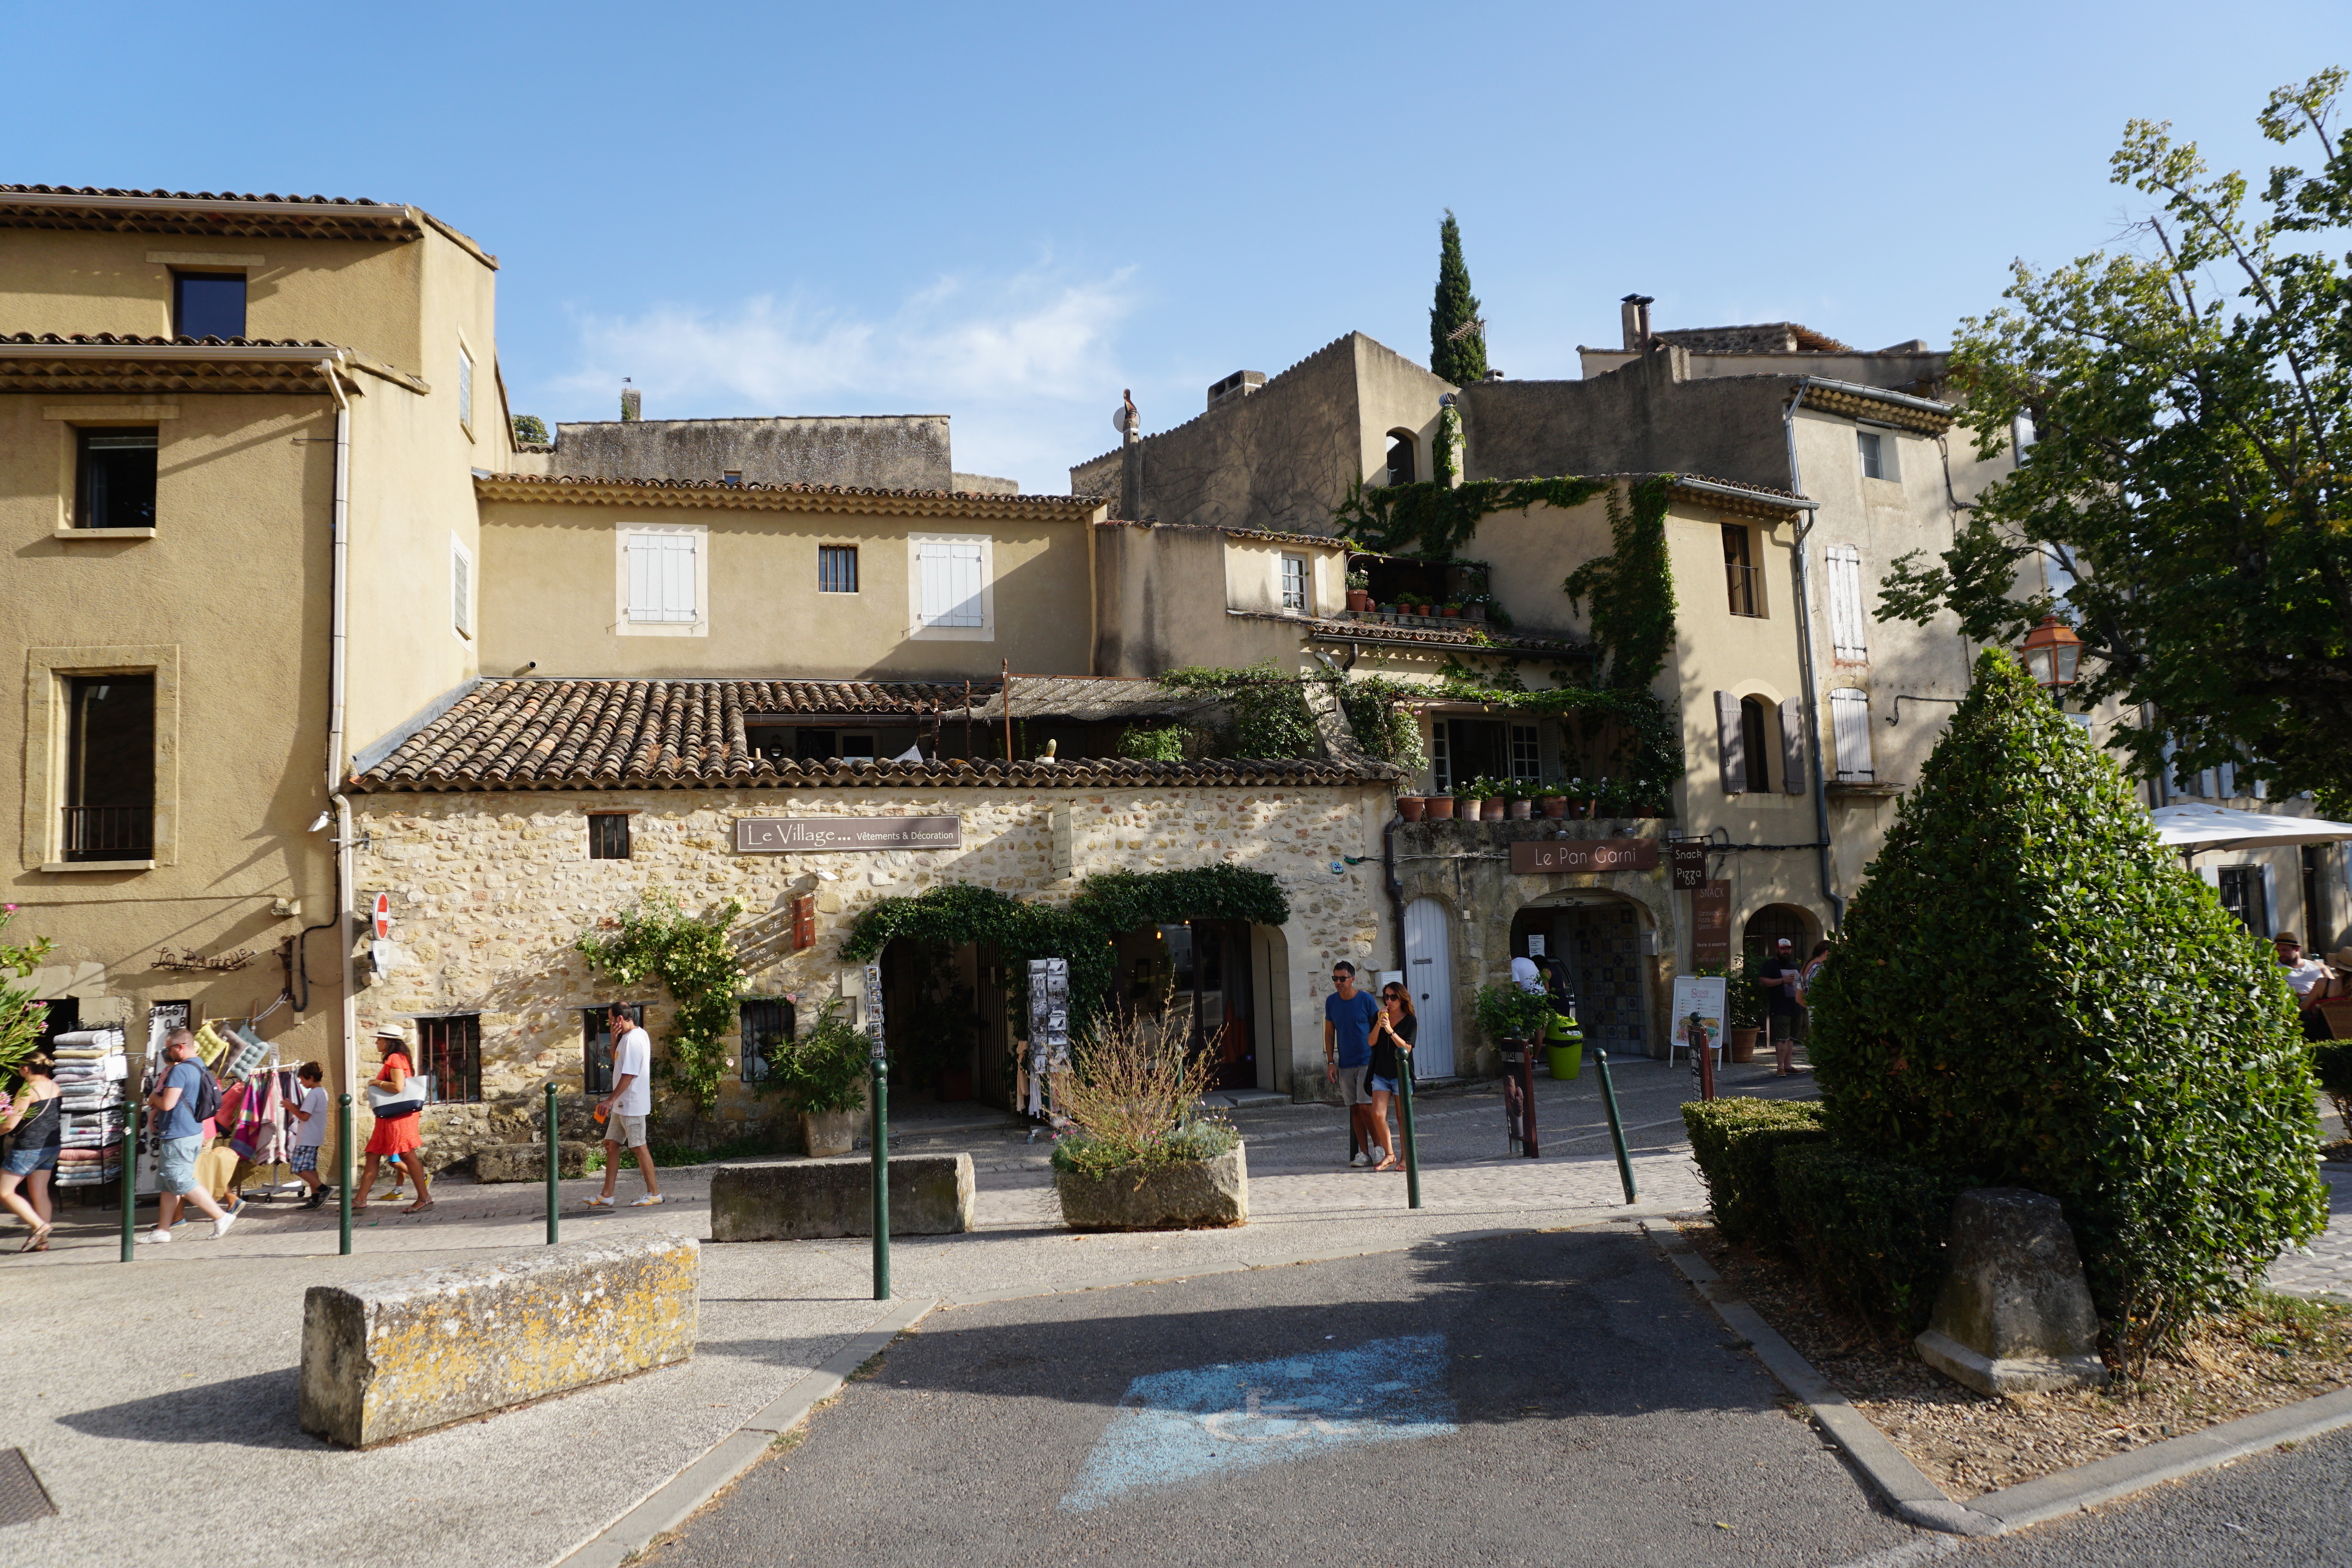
1532	855
786	835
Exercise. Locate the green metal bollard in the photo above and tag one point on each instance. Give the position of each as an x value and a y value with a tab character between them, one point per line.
881	1177
1616	1125
343	1164
552	1162
130	1180
1412	1146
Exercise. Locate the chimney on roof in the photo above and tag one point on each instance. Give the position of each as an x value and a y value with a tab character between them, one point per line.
1634	311
1240	383
633	402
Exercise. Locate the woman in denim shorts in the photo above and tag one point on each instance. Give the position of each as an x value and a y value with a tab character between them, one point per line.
35	1122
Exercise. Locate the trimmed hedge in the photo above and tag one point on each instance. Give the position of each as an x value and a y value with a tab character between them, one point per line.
1734	1142
2031	987
1871	1232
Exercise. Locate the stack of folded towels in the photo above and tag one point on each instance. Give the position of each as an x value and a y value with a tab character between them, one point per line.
91	1069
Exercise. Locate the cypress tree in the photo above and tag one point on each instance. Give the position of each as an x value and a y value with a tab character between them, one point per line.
2030	989
1463	361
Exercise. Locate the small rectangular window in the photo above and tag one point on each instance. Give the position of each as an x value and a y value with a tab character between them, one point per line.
608	836
1873	457
1744	580
461	588
836	568
1526	752
208	304
114	480
109	806
597	1045
732	477
1294	583
767	1024
2243	896
771	741
449	1051
465	388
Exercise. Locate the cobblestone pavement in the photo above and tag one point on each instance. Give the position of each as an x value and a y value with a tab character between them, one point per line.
2323	1269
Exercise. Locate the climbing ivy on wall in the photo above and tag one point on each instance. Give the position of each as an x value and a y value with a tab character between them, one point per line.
691	955
1435	520
1631	589
1270	717
1108	904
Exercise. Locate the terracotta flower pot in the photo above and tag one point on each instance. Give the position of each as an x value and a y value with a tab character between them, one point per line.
1440	808
1520	811
1743	1044
1410	807
1491	808
1359	600
1451	612
1555	806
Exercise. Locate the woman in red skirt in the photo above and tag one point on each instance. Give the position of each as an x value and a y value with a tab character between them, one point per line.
396	1134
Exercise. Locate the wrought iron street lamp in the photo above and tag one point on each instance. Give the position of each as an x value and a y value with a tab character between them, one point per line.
2053	654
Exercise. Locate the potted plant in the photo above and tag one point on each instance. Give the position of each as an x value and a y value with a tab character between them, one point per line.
823	1076
1411	807
1450	610
1518	797
1360	596
1554	801
1507	1013
1143	1155
1438	808
1743	1004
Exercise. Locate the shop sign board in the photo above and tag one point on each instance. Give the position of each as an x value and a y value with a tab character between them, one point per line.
811	835
1702	997
1688	860
1534	856
1711	922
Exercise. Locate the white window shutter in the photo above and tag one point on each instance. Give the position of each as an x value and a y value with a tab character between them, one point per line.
461	591
1849	728
1730	744
2269	901
951	583
661	578
1848	634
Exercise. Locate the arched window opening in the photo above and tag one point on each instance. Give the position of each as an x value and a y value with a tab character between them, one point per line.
1401	465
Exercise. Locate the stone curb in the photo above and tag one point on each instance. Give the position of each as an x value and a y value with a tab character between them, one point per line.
1915	1499
670	1504
1920	1501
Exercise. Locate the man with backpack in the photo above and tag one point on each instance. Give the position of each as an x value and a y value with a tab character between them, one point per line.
184	1098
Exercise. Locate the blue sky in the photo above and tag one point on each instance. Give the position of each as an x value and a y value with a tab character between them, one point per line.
1008	213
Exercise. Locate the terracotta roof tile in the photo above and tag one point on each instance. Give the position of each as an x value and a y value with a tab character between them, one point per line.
560	733
117	340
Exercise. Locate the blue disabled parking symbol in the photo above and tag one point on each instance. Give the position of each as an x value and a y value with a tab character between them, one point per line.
1174	1428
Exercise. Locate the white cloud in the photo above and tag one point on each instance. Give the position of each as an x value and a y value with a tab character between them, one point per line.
1024	365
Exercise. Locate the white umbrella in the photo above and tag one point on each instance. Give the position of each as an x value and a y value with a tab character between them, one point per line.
2192	828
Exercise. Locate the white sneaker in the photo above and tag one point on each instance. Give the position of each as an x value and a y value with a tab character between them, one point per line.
156	1235
220	1226
647	1201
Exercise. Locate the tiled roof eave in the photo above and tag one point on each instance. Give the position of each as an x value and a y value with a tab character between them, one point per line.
1237	773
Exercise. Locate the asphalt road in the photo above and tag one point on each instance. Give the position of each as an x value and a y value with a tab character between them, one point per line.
1548	1399
2281	1510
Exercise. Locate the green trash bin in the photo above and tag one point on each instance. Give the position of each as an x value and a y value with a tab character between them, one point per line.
1564	1045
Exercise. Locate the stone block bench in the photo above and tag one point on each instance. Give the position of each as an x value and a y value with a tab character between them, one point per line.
528	1162
800	1200
385	1359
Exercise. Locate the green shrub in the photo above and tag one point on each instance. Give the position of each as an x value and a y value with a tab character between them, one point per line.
1153	743
1734	1143
1133	1095
2030	987
827	1067
1871	1232
1508	1012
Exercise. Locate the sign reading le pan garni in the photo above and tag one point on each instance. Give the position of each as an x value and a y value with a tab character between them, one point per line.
794	835
1532	855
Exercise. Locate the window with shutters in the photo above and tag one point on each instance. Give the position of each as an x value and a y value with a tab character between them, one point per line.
1756	742
1294	583
1848	621
948	582
465	389
461	587
665	581
1850	732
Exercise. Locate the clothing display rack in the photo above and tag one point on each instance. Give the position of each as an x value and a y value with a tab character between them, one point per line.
90	1071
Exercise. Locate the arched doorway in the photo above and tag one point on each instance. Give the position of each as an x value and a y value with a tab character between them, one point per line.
1771	922
1429	972
1400	465
1598	941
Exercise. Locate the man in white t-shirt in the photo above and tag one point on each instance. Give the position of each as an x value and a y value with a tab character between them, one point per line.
625	1110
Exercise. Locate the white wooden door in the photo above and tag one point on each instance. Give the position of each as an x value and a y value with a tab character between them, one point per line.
1428	971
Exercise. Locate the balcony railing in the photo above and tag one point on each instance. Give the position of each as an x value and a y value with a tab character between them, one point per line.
1747	585
109	832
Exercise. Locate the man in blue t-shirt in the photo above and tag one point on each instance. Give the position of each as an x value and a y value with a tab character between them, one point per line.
180	1138
1348	1015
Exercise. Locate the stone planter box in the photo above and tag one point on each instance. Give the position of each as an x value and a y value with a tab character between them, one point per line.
528	1162
797	1200
827	1135
1200	1195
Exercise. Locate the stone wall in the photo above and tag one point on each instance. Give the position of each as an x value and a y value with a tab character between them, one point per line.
490	892
882	452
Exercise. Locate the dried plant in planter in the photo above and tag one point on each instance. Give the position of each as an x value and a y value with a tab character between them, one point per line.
1134	1095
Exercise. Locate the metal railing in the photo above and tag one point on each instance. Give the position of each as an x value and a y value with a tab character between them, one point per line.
109	832
1747	585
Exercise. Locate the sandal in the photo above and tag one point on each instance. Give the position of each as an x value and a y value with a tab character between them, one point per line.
1387	1165
419	1207
38	1241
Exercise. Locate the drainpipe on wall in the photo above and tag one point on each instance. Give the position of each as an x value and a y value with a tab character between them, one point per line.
1805	666
338	638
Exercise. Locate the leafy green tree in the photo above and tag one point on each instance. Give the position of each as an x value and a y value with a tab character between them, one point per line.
21	1017
1458	359
529	430
2030	989
2192	468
